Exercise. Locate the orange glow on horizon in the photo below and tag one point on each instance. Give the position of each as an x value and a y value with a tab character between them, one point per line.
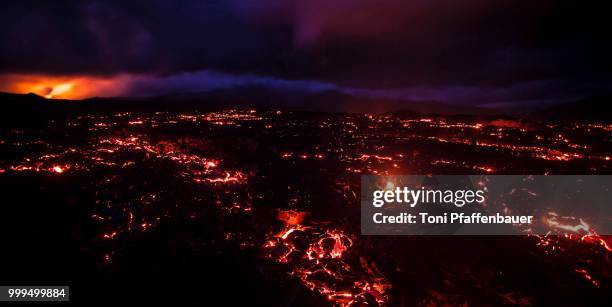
59	90
65	87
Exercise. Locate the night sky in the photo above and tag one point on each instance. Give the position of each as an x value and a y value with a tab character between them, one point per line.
473	52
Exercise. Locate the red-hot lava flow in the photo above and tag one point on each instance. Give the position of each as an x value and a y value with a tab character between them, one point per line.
286	186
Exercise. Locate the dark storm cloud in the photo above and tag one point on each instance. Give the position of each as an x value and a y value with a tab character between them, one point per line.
394	45
206	80
108	37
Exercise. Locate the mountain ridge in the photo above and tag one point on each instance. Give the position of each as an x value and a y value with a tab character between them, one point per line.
592	108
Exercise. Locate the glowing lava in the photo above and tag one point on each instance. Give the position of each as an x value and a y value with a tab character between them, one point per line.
319	257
